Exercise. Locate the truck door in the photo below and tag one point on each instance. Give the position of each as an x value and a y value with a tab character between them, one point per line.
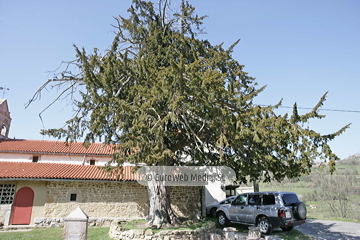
238	208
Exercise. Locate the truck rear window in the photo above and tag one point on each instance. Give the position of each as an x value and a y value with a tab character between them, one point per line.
290	199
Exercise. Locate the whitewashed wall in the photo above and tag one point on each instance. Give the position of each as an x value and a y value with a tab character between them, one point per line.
214	193
45	158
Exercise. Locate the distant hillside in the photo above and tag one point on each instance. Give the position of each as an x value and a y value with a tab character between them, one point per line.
351	160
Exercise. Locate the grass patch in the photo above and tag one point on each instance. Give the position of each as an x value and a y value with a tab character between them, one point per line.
239	227
323	212
293	234
98	233
196	225
134	224
300	188
37	233
94	233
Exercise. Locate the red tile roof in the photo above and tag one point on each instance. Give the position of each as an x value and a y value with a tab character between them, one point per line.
53	147
16	170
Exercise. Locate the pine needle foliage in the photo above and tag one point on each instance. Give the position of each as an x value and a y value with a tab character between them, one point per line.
164	96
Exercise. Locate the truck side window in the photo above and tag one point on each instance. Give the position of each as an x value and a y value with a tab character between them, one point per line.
268	199
240	200
254	200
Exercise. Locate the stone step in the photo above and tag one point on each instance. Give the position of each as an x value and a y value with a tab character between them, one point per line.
18	226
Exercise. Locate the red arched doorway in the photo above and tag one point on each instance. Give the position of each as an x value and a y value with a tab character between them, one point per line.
23	204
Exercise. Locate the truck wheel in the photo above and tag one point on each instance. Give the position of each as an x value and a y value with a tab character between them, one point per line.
265	225
213	212
222	219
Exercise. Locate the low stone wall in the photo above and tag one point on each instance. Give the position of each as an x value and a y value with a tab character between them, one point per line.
52	222
116	232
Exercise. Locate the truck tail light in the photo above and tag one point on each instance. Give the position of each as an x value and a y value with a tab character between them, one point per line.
281	212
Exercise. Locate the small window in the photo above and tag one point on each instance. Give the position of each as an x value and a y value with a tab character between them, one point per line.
73	197
92	162
35	159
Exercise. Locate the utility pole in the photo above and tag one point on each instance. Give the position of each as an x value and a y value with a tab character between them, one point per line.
4	90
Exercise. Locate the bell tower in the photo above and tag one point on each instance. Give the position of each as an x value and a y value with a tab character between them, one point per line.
5	119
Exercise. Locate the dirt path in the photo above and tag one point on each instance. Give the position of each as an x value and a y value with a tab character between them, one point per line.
330	230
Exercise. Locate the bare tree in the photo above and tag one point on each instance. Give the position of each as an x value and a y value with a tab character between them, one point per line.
335	191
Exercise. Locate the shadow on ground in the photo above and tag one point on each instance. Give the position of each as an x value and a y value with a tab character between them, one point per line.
330	230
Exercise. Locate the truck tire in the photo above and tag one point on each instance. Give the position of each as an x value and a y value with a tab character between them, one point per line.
265	225
213	212
223	221
300	211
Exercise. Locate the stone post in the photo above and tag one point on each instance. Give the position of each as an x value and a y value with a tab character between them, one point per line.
229	233
76	224
254	232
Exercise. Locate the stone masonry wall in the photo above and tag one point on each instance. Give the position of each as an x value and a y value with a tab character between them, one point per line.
120	200
126	200
186	201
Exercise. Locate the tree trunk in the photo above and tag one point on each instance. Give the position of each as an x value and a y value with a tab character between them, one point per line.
256	186
160	213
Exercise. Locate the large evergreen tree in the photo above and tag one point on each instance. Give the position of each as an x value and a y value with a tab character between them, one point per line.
160	93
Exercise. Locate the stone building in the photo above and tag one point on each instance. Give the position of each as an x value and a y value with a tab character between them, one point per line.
44	193
5	119
41	182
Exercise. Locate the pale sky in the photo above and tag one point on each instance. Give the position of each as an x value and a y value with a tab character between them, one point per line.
299	49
